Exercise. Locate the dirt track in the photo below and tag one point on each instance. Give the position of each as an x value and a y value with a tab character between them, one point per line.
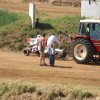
16	66
43	7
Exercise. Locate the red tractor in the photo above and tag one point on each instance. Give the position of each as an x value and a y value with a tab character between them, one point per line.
85	46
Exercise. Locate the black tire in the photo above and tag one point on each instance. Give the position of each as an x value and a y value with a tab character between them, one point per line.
38	53
26	52
82	51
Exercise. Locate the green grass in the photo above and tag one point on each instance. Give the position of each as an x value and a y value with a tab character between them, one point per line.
70	23
7	17
14	32
46	91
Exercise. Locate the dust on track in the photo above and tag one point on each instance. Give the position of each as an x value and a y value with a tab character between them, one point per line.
16	66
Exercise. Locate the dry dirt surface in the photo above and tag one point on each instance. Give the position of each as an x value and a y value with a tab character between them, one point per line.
17	66
42	7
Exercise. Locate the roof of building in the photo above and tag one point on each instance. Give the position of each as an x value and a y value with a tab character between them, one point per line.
90	21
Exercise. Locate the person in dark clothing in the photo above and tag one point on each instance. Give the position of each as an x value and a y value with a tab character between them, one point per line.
88	29
37	23
64	53
51	55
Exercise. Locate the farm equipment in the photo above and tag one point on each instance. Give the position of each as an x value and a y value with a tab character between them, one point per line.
85	46
31	46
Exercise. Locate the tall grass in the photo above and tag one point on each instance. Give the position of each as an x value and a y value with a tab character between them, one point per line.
11	30
69	23
7	17
16	28
45	91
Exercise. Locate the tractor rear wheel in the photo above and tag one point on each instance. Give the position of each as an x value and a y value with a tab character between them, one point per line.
82	51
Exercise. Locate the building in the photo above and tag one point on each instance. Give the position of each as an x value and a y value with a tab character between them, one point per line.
90	9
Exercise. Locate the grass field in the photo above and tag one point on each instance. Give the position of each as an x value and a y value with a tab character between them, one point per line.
19	90
18	28
7	17
66	81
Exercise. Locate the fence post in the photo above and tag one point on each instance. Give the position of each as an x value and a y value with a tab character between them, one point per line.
32	13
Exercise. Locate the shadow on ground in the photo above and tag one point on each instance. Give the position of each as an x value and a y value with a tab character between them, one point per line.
43	26
56	66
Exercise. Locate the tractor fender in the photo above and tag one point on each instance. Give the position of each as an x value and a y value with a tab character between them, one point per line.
74	37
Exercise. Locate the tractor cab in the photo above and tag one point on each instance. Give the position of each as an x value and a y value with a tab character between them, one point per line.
91	28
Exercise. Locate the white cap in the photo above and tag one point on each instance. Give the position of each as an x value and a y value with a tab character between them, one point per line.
38	36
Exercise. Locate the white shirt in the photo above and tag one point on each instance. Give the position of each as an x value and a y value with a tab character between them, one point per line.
51	51
51	40
36	40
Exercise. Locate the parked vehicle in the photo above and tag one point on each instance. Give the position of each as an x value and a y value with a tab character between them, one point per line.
31	47
85	46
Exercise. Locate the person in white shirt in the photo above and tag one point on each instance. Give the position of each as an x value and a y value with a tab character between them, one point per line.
52	39
36	40
88	29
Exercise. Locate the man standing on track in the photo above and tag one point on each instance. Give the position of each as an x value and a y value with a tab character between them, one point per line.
41	47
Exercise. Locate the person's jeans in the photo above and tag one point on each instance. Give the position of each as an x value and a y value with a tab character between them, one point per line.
51	59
